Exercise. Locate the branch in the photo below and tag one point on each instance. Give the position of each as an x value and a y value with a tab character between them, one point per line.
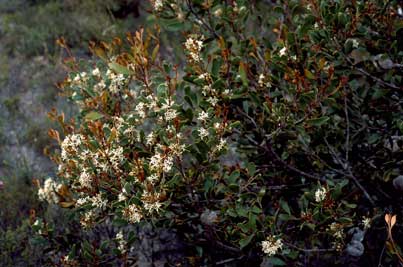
347	172
277	158
290	167
312	250
199	19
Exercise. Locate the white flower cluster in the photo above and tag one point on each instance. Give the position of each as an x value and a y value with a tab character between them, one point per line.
157	5
221	145
115	156
116	81
133	214
85	179
262	81
97	202
272	245
336	230
80	79
108	149
203	116
88	218
194	47
283	51
48	192
122	243
160	162
203	133
70	145
366	222
169	112
152	202
320	194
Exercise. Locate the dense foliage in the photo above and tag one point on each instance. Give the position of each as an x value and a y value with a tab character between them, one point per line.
276	143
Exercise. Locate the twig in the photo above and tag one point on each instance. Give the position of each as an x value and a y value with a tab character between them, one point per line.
247	116
347	172
381	256
290	167
347	145
382	82
312	250
228	260
203	23
278	159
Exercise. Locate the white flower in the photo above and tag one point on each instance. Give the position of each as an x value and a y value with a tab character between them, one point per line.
67	260
153	178
117	81
141	110
222	144
170	114
366	222
115	156
203	116
96	72
156	162
85	179
217	13
168	163
158	5
87	220
83	201
154	206
320	194
203	133
70	145
150	138
283	51
212	100
48	192
337	230
122	196
177	149
355	43
133	214
205	76
122	244
272	245
194	46
99	202
100	86
227	92
261	80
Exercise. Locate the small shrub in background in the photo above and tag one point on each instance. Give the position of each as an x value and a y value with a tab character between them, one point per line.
31	27
276	144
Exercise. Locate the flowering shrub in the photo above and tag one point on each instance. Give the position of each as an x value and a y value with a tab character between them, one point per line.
269	145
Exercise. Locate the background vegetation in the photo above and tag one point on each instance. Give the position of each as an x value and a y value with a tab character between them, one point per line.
308	101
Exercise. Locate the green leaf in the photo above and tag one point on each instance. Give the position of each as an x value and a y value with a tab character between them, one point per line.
359	55
277	262
243	73
245	241
119	68
93	116
216	66
174	25
309	74
318	121
285	207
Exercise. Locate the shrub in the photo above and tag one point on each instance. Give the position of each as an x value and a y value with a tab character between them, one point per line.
273	144
31	27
